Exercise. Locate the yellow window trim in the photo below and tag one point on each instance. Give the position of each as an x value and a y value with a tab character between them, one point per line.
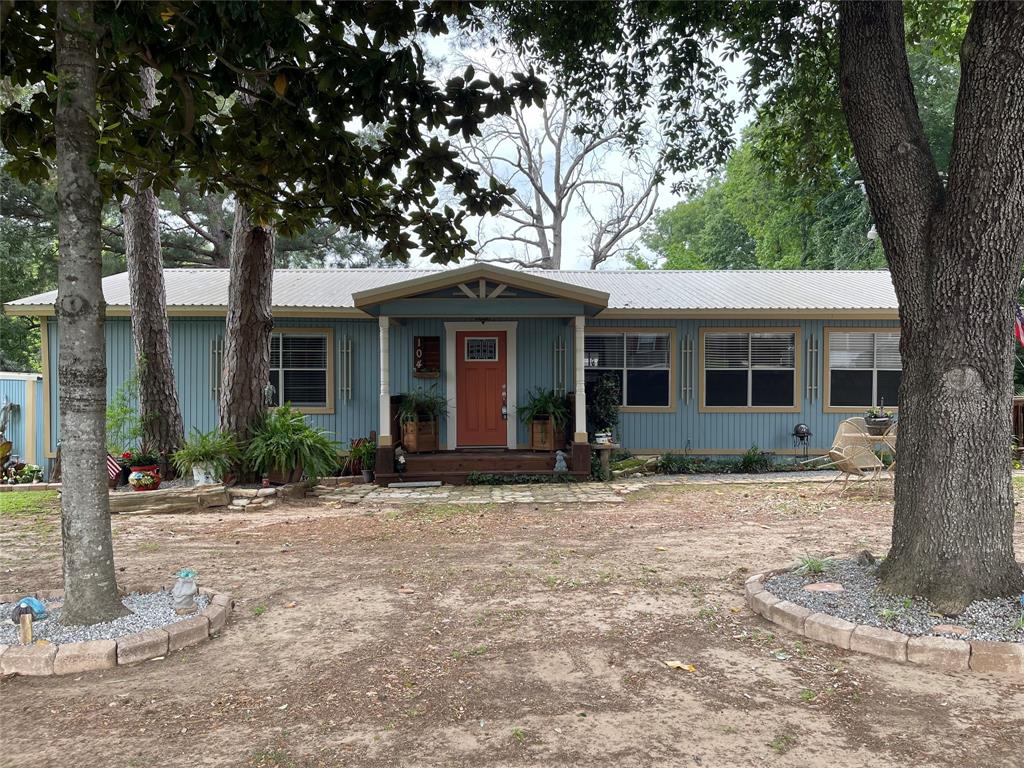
297	330
797	369
826	403
614	330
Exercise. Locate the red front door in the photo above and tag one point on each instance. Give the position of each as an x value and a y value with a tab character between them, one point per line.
480	380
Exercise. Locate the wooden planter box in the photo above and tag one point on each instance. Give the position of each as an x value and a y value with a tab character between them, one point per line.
280	477
419	436
544	436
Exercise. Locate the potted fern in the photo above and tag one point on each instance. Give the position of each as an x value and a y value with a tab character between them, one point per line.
547	414
419	413
283	446
207	455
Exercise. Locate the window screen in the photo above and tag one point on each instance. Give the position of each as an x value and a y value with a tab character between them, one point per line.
864	368
298	369
639	363
744	370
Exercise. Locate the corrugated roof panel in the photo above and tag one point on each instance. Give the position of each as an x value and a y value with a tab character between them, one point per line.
627	289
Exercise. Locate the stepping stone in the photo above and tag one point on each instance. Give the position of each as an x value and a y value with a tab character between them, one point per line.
824	586
950	629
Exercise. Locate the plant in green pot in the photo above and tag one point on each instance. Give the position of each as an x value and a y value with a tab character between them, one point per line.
546	413
207	455
419	413
284	445
363	453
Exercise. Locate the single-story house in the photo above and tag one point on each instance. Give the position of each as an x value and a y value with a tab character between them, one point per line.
708	362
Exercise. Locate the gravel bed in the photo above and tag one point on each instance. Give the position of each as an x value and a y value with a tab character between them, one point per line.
861	603
180	483
148	611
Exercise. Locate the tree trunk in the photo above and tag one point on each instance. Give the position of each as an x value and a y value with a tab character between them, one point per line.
90	588
159	411
246	371
955	256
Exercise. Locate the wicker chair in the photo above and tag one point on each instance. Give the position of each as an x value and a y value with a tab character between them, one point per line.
853	455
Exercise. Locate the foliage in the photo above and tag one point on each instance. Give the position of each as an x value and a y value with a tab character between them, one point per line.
877	412
124	428
364	452
545	404
283	441
422	405
603	405
246	89
23	473
810	565
754	460
215	449
141	458
488	478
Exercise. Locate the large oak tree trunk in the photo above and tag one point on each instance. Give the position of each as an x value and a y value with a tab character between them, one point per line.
159	411
90	588
246	371
955	254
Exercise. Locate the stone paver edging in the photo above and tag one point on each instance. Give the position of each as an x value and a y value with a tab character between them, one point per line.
40	659
943	653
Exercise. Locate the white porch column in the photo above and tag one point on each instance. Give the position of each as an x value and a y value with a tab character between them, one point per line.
384	436
581	393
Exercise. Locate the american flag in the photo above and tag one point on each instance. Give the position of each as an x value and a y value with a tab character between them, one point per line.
1018	325
113	468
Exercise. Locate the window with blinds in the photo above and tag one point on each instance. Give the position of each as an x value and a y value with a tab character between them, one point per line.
298	369
864	368
749	370
639	363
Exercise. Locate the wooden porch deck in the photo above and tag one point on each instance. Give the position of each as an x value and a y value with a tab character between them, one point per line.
454	467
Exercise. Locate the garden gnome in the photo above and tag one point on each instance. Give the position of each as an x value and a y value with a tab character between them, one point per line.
184	592
560	465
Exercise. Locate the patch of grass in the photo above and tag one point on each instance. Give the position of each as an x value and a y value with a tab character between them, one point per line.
271	757
782	743
259	610
149	546
810	565
518	735
27	503
478	650
807	695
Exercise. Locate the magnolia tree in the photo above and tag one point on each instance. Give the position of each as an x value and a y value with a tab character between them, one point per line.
954	245
263	100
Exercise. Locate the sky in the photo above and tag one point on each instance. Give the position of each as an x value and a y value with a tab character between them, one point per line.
615	164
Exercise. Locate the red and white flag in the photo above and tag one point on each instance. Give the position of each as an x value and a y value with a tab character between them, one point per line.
113	468
1018	325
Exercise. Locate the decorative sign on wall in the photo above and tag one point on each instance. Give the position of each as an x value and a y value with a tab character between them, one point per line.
426	352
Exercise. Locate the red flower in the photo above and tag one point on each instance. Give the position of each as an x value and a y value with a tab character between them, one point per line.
126	455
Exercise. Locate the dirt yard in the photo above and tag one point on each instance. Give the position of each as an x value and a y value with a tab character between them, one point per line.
514	635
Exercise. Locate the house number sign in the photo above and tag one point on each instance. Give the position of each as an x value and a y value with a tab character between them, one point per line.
426	363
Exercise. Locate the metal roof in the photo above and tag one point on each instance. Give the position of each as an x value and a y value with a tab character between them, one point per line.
804	292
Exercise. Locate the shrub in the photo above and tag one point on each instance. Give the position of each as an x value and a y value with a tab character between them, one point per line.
677	464
124	428
486	478
283	440
755	460
603	404
544	403
421	404
363	451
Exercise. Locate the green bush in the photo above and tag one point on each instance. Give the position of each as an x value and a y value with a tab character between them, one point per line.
283	440
603	404
486	478
755	460
364	452
124	428
217	450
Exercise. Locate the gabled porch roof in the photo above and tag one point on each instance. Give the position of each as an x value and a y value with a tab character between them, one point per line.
480	290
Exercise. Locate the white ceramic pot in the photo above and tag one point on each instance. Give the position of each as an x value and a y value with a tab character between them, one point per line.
203	474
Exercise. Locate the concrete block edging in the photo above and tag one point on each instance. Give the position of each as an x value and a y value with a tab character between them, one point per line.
1000	658
74	658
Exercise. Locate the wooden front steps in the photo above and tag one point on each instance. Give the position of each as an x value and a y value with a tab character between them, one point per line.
454	467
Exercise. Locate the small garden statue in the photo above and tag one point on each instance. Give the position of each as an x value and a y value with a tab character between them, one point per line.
560	465
184	592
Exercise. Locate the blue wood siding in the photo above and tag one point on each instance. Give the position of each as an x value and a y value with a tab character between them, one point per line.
684	429
688	429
